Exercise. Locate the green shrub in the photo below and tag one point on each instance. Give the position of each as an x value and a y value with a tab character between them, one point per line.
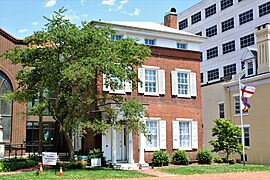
160	158
71	165
218	159
238	161
95	153
180	157
204	157
231	161
18	164
1	166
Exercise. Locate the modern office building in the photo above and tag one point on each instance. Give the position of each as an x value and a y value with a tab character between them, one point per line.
230	26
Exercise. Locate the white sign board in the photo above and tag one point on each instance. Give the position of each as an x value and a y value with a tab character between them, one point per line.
49	158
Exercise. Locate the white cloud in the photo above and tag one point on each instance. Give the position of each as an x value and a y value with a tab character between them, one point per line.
108	2
35	23
135	13
22	30
82	2
122	3
50	3
72	15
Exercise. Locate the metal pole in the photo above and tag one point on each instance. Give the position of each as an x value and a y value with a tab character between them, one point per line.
242	125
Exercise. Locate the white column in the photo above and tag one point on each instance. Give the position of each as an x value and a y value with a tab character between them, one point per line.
142	147
130	148
113	149
122	144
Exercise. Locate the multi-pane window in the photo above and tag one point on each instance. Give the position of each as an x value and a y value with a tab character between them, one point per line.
150	81
237	105
210	10
228	47
228	24
183	24
201	56
212	31
185	134
5	106
264	9
211	53
213	74
150	42
196	18
182	83
182	46
48	136
151	134
35	102
247	40
221	110
201	77
246	136
225	4
199	33
229	70
250	69
246	17
117	37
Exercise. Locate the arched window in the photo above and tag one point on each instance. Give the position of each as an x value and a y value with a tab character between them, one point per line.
5	106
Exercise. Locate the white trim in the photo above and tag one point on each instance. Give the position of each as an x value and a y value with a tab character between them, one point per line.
184	119
150	67
182	70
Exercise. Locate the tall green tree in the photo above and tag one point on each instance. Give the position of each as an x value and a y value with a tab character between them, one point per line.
68	61
227	136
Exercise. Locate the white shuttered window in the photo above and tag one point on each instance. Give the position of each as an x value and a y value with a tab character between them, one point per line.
155	134
126	87
183	83
151	81
185	134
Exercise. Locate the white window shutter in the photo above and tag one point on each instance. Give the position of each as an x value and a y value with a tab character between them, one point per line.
194	135
141	77
104	87
162	134
193	87
174	83
176	140
128	86
161	81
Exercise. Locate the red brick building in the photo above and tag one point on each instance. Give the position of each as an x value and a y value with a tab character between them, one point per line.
170	92
13	123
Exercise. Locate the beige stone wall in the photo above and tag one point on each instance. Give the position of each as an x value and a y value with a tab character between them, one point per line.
258	118
212	95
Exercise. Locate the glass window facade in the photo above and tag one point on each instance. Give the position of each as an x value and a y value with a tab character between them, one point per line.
246	17
228	24
247	40
212	31
213	74
211	53
196	18
183	24
228	47
210	10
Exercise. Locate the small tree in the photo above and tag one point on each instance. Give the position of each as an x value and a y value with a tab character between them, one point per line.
227	137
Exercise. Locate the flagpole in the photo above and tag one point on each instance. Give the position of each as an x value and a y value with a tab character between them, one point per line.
241	117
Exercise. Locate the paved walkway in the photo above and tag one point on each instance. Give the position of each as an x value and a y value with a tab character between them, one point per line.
228	176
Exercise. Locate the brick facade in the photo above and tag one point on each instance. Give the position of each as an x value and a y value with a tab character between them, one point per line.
169	107
18	124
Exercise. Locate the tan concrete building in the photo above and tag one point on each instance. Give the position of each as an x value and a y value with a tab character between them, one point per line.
222	101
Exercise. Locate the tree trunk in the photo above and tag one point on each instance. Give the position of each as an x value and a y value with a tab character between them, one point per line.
40	127
70	146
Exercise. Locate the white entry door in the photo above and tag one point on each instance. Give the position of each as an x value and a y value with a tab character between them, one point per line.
120	145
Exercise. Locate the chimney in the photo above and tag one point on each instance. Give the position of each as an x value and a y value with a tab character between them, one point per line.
263	46
170	18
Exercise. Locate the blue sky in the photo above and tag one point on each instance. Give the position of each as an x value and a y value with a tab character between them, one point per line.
21	17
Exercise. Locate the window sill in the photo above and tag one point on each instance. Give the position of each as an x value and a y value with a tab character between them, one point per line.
117	92
150	149
183	96
238	115
151	94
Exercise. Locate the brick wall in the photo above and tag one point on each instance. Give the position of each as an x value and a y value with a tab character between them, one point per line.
18	124
169	107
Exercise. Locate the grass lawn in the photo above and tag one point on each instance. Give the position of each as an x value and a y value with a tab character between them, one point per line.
99	173
213	169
